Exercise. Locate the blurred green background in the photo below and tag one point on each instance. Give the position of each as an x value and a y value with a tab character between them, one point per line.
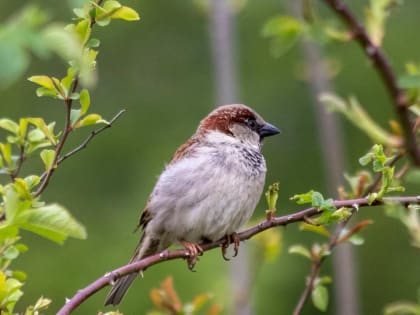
160	70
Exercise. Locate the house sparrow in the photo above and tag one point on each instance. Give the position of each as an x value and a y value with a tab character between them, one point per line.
209	189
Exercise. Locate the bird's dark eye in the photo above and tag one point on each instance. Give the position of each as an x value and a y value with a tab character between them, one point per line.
252	124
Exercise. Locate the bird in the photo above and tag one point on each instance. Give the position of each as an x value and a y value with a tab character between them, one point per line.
207	191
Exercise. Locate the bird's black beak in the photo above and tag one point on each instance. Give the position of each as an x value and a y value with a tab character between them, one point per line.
267	130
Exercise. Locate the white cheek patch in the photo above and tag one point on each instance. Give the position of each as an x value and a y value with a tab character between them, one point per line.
245	135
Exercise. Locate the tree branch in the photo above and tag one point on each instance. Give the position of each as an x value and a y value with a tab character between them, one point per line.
147	262
316	266
67	130
382	65
21	159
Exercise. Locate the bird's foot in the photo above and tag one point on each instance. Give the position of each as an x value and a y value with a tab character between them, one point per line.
193	251
232	238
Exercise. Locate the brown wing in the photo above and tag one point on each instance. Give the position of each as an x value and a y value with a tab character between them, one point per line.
184	150
145	218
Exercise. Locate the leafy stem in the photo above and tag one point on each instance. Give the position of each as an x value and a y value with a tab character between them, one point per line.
383	66
59	147
19	164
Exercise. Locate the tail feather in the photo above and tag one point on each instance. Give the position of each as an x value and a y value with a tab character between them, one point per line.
146	247
119	289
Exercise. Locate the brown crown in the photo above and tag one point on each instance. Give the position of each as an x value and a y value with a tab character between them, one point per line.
221	118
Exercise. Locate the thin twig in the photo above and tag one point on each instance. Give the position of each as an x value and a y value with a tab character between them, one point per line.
59	147
316	266
382	65
317	262
21	159
147	262
85	143
94	133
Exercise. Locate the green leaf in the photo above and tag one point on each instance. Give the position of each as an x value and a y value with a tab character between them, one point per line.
53	222
6	151
42	304
22	188
381	164
376	15
81	12
126	14
22	248
13	287
83	29
283	31
67	81
303	198
90	119
23	127
325	218
321	230
9	125
357	239
357	115
324	280
47	157
32	181
300	250
42	91
46	129
316	199
103	21
110	5
74	96
366	159
43	80
272	195
320	297
3	289
93	43
372	197
11	253
35	135
19	275
341	214
402	308
84	101
75	115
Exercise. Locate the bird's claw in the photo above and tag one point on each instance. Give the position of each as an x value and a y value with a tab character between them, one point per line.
232	238
193	251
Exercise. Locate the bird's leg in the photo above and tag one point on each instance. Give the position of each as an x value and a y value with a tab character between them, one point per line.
193	250
231	238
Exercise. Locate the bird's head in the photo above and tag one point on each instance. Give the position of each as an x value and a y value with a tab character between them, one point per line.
238	122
